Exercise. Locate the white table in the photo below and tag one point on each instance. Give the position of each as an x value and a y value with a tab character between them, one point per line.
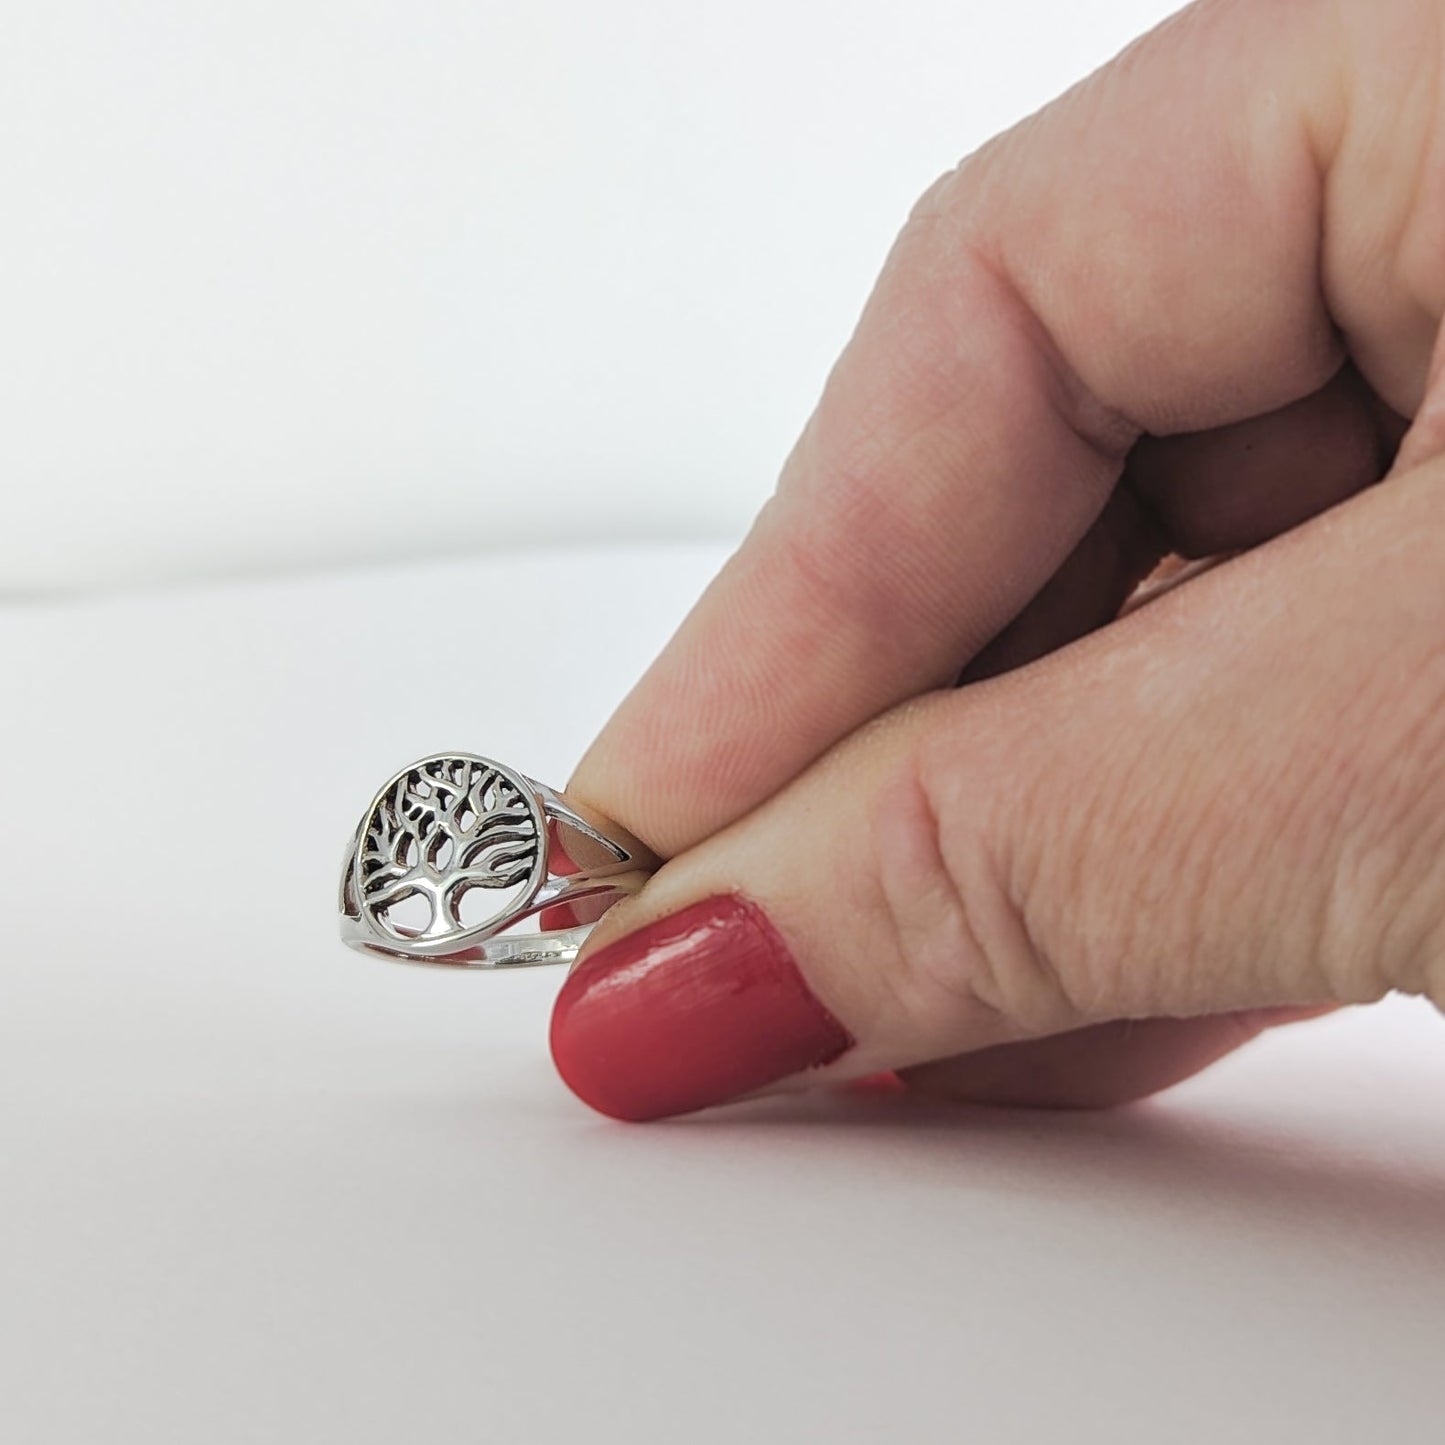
256	1188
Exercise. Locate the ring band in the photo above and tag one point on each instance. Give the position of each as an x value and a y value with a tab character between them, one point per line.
456	851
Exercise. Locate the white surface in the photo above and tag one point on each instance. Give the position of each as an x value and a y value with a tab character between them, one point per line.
281	275
256	1188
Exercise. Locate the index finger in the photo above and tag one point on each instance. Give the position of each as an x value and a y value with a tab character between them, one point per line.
1143	256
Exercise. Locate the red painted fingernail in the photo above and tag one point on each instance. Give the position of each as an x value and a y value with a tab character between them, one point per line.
689	1011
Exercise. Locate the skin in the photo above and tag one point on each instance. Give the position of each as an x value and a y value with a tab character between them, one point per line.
1190	309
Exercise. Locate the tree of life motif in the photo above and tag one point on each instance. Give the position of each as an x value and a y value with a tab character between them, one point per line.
443	828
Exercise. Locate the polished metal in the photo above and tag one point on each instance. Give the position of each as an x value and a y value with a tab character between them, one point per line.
457	858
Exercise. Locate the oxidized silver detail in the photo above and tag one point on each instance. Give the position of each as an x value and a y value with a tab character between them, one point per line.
446	826
456	850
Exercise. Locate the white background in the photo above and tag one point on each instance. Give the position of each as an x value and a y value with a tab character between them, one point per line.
286	282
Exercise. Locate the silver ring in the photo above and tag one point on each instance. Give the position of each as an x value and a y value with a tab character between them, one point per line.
456	851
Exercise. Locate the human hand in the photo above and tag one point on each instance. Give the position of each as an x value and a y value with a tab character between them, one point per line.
1183	310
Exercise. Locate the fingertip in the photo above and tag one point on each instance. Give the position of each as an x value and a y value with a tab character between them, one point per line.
703	1006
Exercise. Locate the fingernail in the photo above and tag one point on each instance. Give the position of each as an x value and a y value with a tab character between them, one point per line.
692	1010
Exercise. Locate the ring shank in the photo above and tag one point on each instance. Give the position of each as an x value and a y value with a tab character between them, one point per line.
522	950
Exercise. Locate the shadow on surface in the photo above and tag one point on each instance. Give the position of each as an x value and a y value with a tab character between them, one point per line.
1163	1156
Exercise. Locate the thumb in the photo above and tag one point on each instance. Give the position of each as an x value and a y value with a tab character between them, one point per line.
1232	799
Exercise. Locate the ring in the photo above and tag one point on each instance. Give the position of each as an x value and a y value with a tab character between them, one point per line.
456	851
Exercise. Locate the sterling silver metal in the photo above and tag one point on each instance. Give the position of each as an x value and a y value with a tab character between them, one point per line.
453	831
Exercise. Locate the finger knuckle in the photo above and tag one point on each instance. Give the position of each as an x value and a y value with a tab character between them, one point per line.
964	955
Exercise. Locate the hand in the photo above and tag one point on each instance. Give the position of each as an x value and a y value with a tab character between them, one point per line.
1183	311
